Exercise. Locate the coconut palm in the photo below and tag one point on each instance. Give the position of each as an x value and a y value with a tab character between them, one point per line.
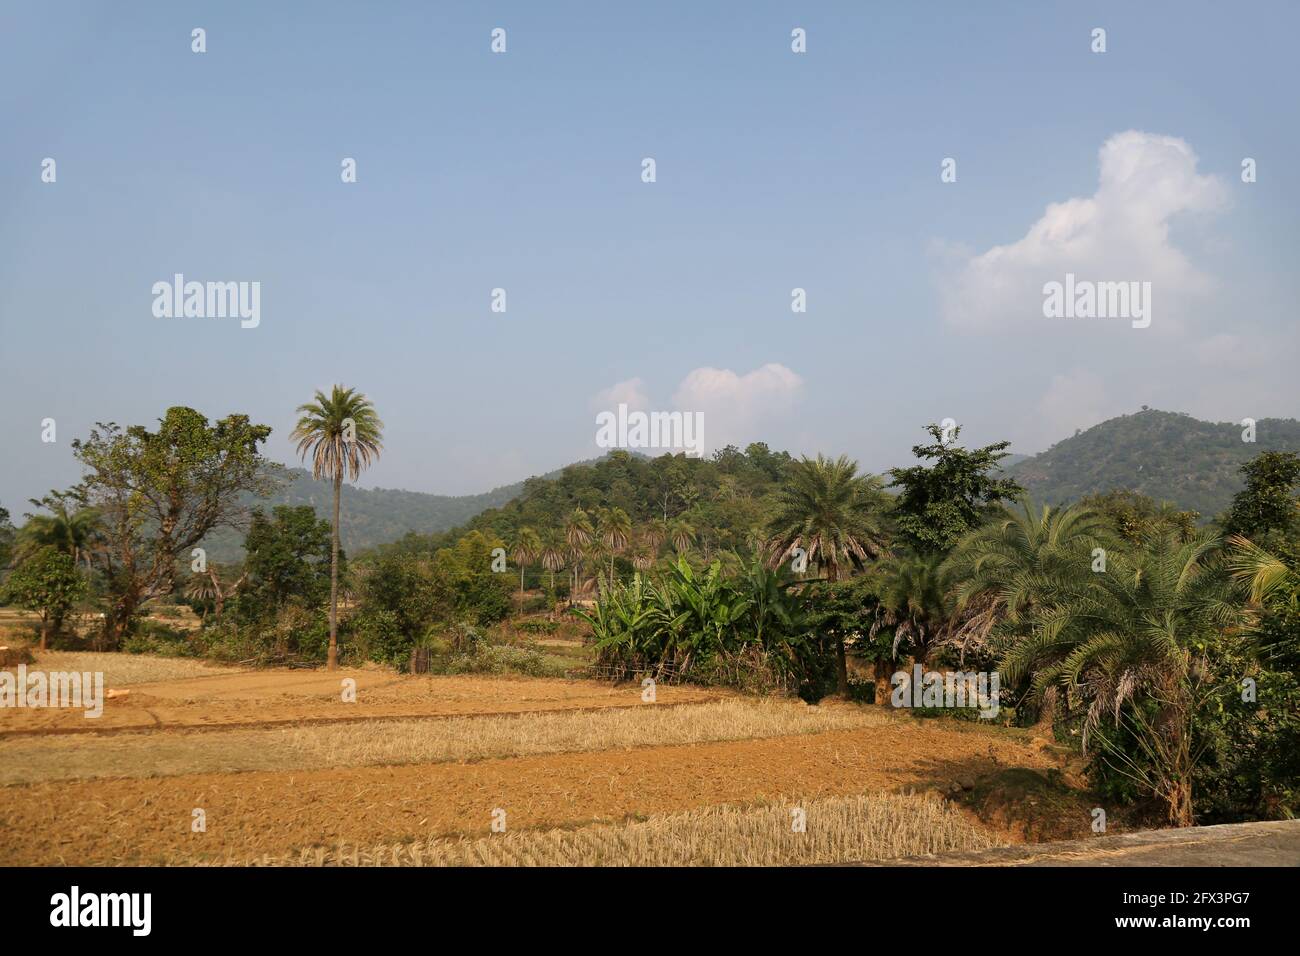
526	548
833	514
343	435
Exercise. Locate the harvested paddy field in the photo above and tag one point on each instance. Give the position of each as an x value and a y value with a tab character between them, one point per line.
418	770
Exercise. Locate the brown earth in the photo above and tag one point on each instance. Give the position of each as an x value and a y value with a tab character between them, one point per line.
247	814
277	697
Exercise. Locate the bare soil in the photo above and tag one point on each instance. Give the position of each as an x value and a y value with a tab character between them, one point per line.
247	814
279	697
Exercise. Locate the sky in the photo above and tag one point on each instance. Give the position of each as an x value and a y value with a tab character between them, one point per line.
523	170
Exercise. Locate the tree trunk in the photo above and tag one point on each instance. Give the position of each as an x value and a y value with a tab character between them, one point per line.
841	669
45	626
883	682
332	659
841	659
1180	804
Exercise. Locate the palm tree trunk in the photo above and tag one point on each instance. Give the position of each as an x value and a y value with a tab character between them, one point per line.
45	626
332	659
841	659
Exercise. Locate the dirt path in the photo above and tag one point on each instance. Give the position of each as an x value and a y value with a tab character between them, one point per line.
149	820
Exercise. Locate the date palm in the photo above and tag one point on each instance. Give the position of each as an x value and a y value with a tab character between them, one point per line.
1130	642
833	515
343	435
1004	569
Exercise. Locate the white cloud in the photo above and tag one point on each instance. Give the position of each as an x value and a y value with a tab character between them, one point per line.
631	393
1119	234
737	408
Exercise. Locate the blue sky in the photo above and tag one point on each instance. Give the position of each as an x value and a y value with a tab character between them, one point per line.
522	171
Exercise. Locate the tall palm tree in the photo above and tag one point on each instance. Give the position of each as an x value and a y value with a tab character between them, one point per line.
615	530
343	435
525	551
643	554
656	532
578	533
551	552
682	534
833	514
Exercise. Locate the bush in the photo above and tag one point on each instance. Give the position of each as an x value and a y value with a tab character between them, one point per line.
152	637
485	658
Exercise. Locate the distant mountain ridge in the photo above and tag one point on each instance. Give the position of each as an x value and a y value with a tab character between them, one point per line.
1169	456
370	516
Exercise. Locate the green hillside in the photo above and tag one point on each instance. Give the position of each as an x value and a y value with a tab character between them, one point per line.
371	516
1166	455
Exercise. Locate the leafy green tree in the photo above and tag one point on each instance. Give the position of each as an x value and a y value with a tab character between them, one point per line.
834	516
469	590
159	493
288	558
1137	518
47	582
399	601
842	612
941	502
343	435
7	534
1268	502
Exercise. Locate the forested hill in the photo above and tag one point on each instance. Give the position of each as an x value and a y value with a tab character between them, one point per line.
725	498
1167	455
370	516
